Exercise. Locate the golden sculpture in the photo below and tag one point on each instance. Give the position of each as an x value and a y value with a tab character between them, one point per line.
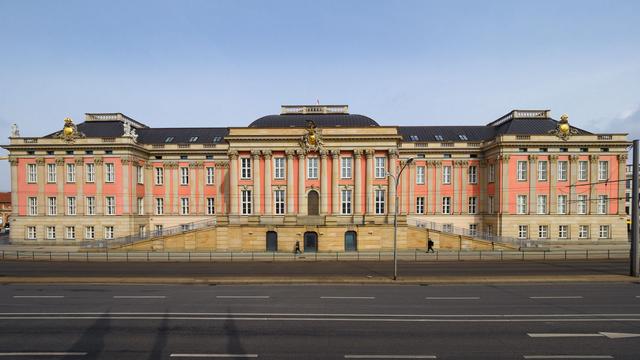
69	132
563	129
312	140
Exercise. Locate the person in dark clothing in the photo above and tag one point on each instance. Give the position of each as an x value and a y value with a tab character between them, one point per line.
430	246
297	250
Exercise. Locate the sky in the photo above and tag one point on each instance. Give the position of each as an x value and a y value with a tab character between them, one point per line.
227	63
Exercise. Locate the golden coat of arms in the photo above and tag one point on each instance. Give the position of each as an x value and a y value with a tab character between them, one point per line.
69	132
312	140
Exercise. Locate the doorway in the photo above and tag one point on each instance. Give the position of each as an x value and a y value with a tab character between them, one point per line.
313	203
350	241
272	241
310	241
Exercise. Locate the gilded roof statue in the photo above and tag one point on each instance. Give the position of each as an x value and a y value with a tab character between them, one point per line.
69	132
564	130
312	140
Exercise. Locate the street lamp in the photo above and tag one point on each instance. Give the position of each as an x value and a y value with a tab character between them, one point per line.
396	179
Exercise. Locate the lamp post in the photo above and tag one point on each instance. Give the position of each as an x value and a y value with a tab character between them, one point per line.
396	180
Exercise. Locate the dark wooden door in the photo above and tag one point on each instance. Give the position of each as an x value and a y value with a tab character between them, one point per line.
313	203
310	242
272	241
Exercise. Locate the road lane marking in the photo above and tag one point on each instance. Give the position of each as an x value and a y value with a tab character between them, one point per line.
139	297
242	297
245	356
452	298
349	297
568	357
390	357
556	297
610	335
38	296
43	354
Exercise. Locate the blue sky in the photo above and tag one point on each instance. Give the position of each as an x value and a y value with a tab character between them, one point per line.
221	63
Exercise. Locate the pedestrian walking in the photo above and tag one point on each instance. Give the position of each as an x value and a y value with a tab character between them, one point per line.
297	250
430	246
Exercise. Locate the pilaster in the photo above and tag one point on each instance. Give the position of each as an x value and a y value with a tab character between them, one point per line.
257	183
268	192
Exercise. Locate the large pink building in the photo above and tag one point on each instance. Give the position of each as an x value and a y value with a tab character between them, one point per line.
318	170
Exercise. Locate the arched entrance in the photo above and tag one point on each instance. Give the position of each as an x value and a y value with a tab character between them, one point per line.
272	241
350	241
311	241
313	203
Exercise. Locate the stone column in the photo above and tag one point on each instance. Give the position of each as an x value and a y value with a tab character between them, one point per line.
428	205
14	188
482	185
369	153
504	185
464	180
404	182
393	169
533	179
290	184
61	180
573	179
175	185
148	190
323	183
358	194
268	192
454	186
622	176
437	166
220	181
194	209
99	178
233	182
553	184
335	175
125	185
80	206
167	171
411	168
593	197
257	182
302	197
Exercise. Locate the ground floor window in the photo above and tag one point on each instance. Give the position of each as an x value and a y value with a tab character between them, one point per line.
604	232
583	231
108	232
70	232
473	229
563	231
523	231
448	228
90	232
31	232
158	230
543	231
51	232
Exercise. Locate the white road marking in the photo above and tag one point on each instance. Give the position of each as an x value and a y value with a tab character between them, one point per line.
38	296
568	357
452	298
242	297
43	354
610	335
139	297
390	357
556	297
245	356
349	297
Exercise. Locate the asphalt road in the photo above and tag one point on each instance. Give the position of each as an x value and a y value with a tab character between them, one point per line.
292	269
320	322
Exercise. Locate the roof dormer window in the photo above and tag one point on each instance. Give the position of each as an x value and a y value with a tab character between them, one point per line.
168	139
463	137
439	138
193	139
414	137
217	139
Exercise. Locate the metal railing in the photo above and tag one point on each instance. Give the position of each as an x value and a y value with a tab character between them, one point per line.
482	235
130	239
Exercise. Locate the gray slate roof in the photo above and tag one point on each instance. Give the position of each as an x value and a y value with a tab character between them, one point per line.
321	120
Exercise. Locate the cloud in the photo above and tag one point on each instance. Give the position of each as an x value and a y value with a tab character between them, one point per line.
626	122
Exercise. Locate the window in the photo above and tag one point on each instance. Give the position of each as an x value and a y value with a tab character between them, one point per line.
463	137
71	205
379	201
583	231
168	139
420	205
312	168
473	205
108	232
159	176
211	171
492	173
491	204
91	205
413	137
31	232
278	165
473	174
140	174
184	206
522	171
523	231
158	229
420	175
211	206
52	209
604	232
51	232
32	173
91	172
140	202
89	232
542	204
582	204
159	206
245	165
603	170
345	168
70	232
193	139
522	204
446	174
246	202
381	168
563	231
448	228
542	170
279	201
71	173
32	209
109	171
184	157
439	137
110	205
543	231
473	229
583	170
563	167
446	205
51	173
562	204
184	176
603	204
345	203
